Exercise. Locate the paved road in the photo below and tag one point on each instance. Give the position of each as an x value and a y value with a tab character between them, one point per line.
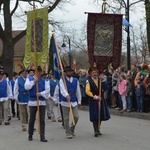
118	133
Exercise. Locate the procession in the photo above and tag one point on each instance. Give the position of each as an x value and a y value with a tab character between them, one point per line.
44	90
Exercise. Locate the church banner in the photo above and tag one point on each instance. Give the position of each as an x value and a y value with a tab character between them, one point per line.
104	39
41	37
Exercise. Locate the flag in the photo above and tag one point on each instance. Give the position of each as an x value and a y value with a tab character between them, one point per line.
126	23
41	38
104	39
74	66
57	71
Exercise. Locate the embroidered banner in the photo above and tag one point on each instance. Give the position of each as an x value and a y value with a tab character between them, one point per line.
104	38
41	34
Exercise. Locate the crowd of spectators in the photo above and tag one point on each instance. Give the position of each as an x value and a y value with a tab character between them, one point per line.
128	90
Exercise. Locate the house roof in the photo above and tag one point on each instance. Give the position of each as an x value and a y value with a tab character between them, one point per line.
19	48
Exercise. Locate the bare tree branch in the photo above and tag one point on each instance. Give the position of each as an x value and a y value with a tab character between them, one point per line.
136	2
51	8
16	5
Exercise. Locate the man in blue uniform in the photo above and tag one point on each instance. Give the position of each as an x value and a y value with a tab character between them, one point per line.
5	93
53	83
41	93
15	76
70	91
21	97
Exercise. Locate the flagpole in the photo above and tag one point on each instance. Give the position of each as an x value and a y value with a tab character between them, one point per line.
35	64
99	103
61	66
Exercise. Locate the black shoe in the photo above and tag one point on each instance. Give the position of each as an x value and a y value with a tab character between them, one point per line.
13	115
96	134
34	129
9	118
30	138
49	117
43	140
7	123
0	123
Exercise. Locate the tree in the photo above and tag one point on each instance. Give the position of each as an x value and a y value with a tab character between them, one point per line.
8	41
147	9
147	14
139	46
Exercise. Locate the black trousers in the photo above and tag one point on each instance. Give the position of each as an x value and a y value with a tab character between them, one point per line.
33	110
61	112
13	110
13	107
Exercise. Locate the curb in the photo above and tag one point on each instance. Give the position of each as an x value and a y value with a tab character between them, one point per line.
138	115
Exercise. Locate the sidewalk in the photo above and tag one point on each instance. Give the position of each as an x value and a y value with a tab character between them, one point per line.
133	114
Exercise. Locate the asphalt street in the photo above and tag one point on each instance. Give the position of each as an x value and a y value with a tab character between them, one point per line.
119	132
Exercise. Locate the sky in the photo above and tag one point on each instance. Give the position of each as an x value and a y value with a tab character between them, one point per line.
75	14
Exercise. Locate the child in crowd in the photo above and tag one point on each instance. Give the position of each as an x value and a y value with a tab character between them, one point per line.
129	94
139	91
122	92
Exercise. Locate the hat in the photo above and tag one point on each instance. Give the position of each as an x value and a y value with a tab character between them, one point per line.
30	70
93	68
1	67
22	70
14	74
1	72
39	69
68	68
6	74
44	73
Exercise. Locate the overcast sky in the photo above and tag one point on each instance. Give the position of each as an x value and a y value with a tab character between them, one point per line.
75	16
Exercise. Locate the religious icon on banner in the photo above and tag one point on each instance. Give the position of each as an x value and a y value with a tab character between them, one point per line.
38	35
103	40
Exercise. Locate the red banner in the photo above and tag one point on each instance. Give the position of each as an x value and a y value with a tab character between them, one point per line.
104	38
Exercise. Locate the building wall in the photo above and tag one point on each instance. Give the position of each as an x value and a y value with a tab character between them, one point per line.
16	67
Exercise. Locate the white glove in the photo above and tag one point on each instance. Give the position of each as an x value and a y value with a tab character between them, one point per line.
95	97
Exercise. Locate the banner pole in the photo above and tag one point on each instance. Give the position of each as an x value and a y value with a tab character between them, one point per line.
99	103
35	63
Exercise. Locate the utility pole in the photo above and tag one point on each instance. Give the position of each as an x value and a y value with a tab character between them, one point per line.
128	37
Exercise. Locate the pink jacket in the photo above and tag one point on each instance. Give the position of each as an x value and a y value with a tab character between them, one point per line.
122	87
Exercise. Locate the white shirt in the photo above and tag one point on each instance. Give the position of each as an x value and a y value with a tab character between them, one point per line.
29	84
56	94
64	93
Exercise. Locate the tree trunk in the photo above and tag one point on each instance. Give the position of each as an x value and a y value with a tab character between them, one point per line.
147	9
8	58
8	46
